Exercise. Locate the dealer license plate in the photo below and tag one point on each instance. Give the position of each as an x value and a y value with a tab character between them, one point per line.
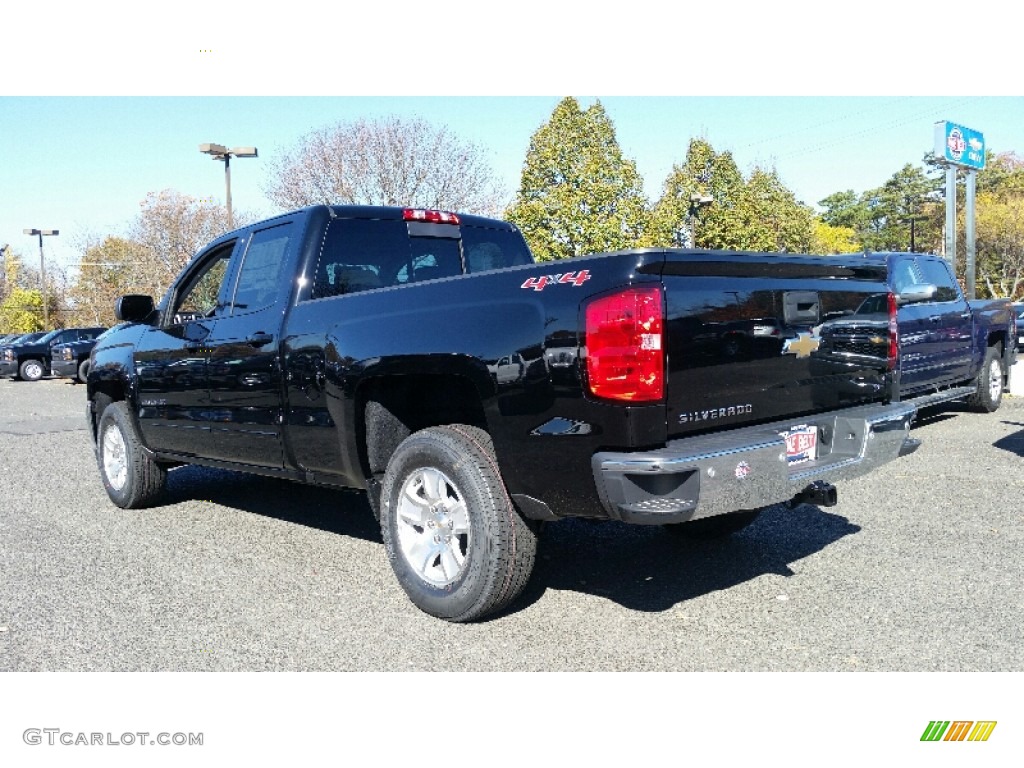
801	444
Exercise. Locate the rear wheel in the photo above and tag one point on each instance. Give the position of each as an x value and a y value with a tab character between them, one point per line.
455	541
714	527
989	393
31	370
131	478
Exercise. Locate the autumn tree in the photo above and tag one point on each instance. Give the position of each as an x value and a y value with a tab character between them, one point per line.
171	228
577	192
110	269
831	239
389	161
21	311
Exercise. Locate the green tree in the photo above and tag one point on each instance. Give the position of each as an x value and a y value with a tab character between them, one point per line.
704	174
22	311
577	193
775	221
881	218
844	209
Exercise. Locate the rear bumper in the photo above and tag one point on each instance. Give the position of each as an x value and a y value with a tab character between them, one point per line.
747	468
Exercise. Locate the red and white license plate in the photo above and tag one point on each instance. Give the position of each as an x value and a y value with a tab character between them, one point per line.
801	444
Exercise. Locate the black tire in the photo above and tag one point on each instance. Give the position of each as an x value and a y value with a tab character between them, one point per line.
31	370
988	395
83	371
131	478
481	552
714	527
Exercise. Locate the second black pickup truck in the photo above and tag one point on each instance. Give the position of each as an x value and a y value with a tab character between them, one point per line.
424	357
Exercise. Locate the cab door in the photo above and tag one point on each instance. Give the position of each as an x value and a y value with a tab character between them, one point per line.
950	320
244	367
170	358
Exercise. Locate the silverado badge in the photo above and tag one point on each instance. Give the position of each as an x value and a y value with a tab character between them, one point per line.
802	345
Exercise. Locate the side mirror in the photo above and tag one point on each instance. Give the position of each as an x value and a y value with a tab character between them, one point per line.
133	308
916	293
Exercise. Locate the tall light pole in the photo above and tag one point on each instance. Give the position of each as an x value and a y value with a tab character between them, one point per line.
697	202
220	152
42	270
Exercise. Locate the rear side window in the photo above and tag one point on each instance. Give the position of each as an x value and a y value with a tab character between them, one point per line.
493	249
359	255
363	254
936	272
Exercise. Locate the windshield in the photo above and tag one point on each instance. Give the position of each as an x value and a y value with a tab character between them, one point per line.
26	337
49	336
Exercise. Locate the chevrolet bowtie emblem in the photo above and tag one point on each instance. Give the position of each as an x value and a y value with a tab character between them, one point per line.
802	345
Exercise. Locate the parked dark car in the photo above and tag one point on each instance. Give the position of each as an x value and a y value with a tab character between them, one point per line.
1018	309
31	360
71	360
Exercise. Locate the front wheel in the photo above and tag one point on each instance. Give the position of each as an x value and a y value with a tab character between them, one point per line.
83	371
455	541
31	370
989	393
131	478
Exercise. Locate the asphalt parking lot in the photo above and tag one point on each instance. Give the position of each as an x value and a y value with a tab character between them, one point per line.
918	568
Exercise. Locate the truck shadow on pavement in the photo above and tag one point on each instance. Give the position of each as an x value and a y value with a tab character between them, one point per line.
346	513
642	568
1013	443
645	568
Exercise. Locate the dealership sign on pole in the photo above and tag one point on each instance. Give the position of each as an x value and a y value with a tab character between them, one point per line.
959	145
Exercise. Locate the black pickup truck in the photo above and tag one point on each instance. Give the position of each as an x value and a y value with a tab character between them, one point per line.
424	357
71	360
31	360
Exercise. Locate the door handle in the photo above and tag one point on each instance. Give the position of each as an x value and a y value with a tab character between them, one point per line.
260	339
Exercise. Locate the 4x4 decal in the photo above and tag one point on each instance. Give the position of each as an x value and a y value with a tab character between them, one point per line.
540	283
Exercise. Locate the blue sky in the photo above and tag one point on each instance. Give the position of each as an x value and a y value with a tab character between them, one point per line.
83	164
103	104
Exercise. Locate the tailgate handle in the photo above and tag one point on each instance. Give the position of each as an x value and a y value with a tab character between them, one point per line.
260	339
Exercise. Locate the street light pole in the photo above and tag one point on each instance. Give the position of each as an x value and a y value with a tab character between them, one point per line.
42	270
697	202
220	152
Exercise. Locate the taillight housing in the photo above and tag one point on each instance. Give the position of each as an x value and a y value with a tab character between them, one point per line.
894	334
433	217
625	345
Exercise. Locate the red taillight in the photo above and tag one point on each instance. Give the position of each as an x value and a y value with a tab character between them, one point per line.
894	335
625	356
434	217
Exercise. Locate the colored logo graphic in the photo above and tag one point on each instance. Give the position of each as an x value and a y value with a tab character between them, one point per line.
956	143
958	730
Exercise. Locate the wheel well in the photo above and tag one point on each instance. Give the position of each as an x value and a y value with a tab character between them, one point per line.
103	395
392	408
